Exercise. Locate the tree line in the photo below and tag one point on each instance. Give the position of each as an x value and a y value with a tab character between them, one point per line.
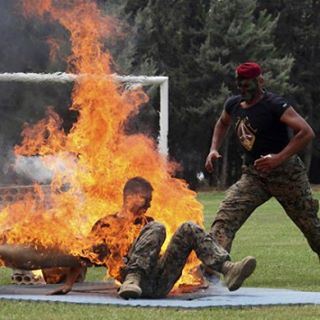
197	44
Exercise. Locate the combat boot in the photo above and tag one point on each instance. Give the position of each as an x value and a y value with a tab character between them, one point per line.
130	288
236	272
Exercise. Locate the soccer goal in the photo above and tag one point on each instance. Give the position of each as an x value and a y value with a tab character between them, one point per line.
61	77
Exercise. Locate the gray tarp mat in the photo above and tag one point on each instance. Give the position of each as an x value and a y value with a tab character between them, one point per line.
104	293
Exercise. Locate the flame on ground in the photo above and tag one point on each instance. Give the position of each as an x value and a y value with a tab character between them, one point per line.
97	156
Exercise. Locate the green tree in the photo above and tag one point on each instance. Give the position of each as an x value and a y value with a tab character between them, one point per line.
198	44
298	33
165	39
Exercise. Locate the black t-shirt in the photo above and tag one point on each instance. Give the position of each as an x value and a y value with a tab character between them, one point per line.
258	127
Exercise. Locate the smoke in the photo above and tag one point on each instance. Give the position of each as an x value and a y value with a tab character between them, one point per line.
19	50
33	169
24	48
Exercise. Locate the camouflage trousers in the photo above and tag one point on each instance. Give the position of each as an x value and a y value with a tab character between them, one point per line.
288	183
160	273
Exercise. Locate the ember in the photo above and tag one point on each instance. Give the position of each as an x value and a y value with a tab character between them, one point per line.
97	156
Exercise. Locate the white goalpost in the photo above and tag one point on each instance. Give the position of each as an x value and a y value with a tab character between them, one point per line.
61	77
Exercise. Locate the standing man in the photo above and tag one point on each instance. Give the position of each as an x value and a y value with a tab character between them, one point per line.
262	121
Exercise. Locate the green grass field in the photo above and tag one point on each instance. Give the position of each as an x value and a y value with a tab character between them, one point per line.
284	261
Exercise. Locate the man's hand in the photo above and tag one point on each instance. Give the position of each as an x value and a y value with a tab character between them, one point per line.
61	290
72	276
212	156
267	163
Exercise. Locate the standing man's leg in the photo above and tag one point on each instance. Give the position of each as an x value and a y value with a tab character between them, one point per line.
242	199
289	184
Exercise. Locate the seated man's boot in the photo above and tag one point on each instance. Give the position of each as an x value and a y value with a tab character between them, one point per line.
236	272
130	288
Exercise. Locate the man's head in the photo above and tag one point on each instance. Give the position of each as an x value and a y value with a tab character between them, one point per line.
137	195
249	80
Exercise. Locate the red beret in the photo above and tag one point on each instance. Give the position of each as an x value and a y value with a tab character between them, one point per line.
248	70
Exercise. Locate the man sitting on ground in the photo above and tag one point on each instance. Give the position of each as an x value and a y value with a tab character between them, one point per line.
147	274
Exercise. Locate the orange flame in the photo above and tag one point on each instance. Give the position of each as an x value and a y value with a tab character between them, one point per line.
54	48
97	157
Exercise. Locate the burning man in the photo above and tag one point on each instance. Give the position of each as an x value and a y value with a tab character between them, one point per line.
129	243
146	273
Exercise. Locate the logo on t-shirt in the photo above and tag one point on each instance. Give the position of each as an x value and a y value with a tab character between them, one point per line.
245	133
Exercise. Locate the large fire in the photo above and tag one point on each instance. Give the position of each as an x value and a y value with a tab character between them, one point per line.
92	162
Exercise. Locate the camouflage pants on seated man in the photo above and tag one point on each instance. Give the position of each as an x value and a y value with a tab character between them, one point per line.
288	183
159	274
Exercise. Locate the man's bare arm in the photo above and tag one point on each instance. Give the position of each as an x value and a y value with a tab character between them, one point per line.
219	132
303	134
